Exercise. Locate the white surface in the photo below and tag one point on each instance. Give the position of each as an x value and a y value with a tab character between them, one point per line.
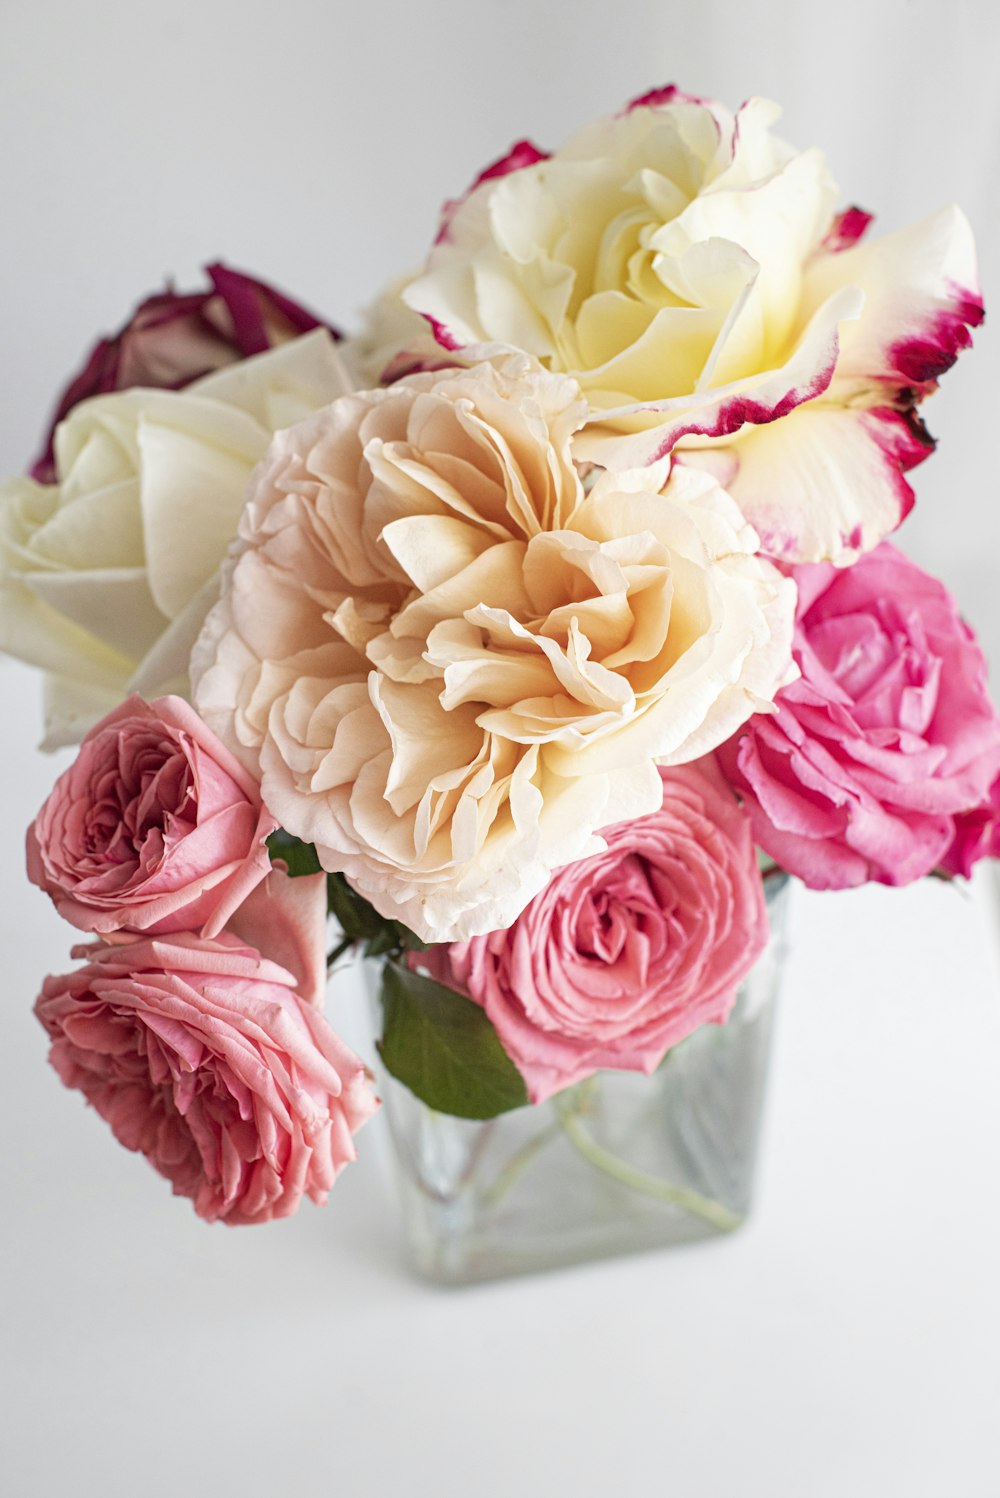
847	1343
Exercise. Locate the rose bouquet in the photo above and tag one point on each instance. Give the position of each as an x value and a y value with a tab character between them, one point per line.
533	636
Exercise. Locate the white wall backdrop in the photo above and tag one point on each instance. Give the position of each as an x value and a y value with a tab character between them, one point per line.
314	140
847	1344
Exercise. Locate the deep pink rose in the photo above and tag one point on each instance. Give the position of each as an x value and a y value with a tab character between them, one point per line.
202	1056
887	735
976	835
174	337
154	827
625	953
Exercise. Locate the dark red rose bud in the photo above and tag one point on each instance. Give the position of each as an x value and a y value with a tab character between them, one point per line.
174	337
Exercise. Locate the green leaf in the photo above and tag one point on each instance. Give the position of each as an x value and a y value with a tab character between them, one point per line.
355	917
362	923
382	943
443	1047
298	857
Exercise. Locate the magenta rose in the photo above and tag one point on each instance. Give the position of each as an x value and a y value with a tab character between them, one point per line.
625	953
976	835
202	1056
174	337
888	733
154	827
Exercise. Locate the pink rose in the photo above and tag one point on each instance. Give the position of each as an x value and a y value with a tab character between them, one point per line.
174	337
202	1056
886	736
155	826
625	953
976	835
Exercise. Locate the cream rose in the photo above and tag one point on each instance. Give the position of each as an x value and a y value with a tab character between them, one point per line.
689	269
393	340
451	665
106	575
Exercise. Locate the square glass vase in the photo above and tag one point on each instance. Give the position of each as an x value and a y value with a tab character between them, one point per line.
617	1163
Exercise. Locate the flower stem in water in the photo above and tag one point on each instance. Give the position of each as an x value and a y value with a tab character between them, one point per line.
517	1165
569	1113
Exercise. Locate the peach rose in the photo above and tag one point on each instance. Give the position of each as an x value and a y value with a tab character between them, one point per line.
154	827
204	1057
452	664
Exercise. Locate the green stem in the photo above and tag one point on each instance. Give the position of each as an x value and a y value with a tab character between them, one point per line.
338	951
517	1165
637	1180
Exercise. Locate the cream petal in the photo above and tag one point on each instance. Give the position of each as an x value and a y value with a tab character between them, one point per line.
474	672
192	483
495	573
403	660
425	738
297	376
431	549
72	707
164	668
95	446
921	287
825	483
32	631
427	491
96	530
351	738
113	606
776	226
718	413
359	621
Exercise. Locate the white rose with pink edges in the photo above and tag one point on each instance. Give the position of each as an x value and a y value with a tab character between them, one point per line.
692	272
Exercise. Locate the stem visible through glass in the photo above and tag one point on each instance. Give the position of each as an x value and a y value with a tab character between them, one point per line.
518	1164
569	1108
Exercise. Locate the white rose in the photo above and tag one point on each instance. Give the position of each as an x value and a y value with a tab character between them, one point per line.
106	576
392	336
451	665
689	270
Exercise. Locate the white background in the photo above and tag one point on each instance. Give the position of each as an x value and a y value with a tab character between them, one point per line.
846	1343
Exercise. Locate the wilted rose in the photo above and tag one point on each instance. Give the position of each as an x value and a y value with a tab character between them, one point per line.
173	338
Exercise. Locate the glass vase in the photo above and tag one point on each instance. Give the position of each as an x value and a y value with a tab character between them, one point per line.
615	1164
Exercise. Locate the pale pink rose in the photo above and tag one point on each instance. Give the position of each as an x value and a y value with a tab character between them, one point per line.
154	827
202	1056
173	338
696	276
886	736
623	954
976	835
